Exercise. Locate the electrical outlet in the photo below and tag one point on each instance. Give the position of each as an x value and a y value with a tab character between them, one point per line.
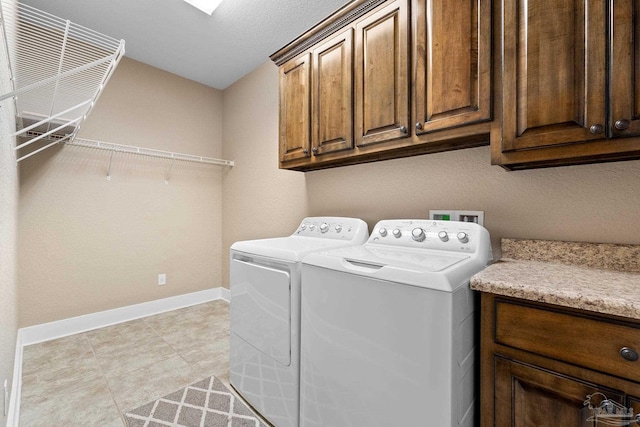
162	279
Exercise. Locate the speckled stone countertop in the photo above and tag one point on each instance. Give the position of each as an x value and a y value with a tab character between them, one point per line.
603	278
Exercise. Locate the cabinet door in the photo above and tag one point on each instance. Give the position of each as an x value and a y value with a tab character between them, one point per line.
452	51
625	68
295	108
526	396
332	109
554	72
381	77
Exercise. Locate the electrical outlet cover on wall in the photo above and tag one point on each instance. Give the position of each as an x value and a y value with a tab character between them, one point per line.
162	279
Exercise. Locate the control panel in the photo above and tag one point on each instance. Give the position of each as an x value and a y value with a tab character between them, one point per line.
333	228
453	236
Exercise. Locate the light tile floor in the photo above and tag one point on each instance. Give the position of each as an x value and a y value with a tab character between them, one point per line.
91	379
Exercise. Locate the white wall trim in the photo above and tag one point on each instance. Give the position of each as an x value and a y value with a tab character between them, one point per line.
75	325
13	414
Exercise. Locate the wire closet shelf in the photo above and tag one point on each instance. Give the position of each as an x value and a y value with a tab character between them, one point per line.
149	152
58	71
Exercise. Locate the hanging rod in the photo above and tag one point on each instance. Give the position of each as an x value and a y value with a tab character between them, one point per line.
119	148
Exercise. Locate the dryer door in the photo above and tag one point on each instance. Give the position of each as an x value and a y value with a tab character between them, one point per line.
261	308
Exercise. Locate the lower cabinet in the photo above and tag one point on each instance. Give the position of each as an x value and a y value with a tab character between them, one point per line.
528	396
536	373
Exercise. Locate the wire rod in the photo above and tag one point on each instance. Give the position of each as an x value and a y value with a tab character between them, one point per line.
150	152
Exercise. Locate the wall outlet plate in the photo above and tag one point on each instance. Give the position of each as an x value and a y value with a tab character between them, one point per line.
162	279
463	216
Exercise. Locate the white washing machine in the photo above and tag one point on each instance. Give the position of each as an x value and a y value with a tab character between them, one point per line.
265	280
388	328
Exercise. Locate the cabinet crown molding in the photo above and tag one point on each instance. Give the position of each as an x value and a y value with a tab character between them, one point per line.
340	19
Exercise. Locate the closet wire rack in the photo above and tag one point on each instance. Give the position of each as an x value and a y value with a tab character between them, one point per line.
58	70
149	152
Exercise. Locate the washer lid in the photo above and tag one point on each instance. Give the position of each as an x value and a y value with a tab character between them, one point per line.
422	260
290	248
439	270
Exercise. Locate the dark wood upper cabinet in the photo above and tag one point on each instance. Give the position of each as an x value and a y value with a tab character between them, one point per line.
625	68
295	108
382	75
362	84
452	60
554	72
568	86
332	95
547	82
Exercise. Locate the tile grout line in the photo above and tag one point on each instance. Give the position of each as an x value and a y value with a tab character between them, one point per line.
121	410
106	380
218	321
178	353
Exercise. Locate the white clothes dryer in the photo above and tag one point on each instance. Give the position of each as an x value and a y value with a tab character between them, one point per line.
388	328
265	280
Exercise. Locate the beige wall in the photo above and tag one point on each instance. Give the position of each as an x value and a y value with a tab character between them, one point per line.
259	200
597	203
8	224
87	244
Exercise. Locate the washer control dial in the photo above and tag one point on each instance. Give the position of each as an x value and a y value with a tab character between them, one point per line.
463	237
304	226
383	232
338	228
397	233
324	227
443	236
312	227
418	234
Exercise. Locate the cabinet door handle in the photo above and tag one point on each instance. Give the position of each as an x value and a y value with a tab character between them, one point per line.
596	129
419	126
622	124
305	151
629	354
315	150
403	129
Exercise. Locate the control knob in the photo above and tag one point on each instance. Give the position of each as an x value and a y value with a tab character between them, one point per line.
338	228
443	236
397	233
324	227
312	227
463	237
383	232
304	227
418	234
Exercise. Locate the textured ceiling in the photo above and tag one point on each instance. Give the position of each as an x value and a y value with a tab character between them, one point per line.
174	36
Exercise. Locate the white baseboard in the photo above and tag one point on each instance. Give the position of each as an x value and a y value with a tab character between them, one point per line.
75	325
225	294
13	413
